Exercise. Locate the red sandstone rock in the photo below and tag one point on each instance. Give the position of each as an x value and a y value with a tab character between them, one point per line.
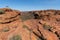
33	25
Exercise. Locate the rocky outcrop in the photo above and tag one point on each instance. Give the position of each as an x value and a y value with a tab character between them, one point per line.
30	25
48	21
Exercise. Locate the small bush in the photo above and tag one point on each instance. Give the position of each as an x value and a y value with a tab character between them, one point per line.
1	12
47	27
6	29
24	26
15	37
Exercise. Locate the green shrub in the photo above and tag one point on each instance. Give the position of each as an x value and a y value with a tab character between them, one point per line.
45	26
2	12
16	37
24	26
6	29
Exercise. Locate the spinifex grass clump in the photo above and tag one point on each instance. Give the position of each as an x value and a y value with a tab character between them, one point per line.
16	37
6	29
24	26
2	12
47	27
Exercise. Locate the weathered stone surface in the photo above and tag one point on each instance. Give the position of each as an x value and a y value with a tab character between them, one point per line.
30	25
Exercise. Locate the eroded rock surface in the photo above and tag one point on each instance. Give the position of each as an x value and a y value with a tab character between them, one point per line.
30	25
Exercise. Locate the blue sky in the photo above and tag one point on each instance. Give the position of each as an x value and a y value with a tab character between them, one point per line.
27	5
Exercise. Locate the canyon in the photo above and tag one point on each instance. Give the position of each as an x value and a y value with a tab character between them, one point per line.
29	25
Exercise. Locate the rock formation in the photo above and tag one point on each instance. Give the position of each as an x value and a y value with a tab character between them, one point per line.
30	25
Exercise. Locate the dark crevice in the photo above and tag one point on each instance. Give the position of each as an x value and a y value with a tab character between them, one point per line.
13	17
41	37
58	20
57	34
35	15
57	13
41	34
50	30
40	23
10	21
